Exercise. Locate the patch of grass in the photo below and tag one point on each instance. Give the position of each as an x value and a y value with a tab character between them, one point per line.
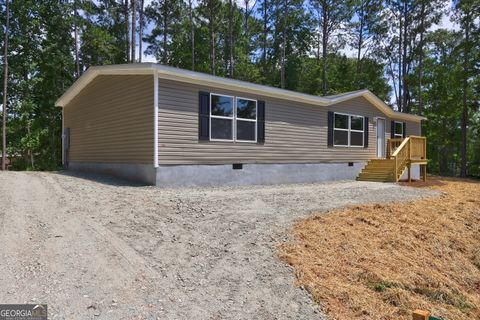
382	286
379	285
476	259
456	300
389	259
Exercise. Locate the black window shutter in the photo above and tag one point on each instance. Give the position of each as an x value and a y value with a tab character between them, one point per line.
203	115
365	134
404	129
392	130
330	129
261	121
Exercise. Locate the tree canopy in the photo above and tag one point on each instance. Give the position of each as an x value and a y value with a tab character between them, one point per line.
319	47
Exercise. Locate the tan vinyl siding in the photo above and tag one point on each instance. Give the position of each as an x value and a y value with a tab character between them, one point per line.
111	120
294	132
413	128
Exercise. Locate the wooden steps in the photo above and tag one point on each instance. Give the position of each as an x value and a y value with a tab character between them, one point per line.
381	170
401	155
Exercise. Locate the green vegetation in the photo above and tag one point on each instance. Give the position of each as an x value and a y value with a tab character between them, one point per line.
293	44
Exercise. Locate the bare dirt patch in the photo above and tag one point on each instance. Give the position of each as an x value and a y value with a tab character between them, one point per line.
381	261
430	182
98	248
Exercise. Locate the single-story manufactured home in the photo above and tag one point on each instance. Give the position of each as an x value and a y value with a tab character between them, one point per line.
171	127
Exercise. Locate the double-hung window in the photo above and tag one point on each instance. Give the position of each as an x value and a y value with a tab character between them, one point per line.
398	129
221	117
246	120
233	118
348	130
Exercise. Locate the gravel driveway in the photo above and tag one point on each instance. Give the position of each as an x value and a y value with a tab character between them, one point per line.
93	247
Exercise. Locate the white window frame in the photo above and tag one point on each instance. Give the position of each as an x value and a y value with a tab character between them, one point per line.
221	117
395	134
248	120
234	119
349	130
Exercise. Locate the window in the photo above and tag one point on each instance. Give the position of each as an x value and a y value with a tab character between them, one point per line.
398	133
221	117
246	120
233	119
348	130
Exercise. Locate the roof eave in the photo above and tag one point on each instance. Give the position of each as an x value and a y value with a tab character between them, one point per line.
229	84
93	72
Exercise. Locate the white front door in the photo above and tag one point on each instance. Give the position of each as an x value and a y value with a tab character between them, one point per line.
381	138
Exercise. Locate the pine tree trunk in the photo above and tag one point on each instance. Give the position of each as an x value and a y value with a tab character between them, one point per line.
247	31
400	41
464	121
142	22
230	39
360	40
319	38
165	32
420	59
29	150
75	37
324	50
5	87
264	37
134	29
405	104
284	44
192	33
211	31
127	32
392	75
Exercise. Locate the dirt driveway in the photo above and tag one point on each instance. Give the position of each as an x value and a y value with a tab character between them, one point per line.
98	248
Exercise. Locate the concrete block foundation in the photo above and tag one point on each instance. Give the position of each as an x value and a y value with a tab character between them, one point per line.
251	174
218	175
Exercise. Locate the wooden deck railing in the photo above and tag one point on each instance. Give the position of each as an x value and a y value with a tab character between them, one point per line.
418	147
392	145
407	151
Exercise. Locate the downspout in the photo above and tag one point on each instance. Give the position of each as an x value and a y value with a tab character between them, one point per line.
155	119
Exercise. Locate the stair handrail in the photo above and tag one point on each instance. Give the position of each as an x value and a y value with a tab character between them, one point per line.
404	142
392	145
401	156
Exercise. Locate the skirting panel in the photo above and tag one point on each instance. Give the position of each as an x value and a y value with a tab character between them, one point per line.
414	174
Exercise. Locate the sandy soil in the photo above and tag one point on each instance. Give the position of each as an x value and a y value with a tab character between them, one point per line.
93	247
383	261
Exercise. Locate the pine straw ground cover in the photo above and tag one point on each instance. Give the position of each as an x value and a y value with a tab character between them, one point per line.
382	261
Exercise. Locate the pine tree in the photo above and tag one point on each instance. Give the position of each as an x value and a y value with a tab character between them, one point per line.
165	15
368	30
331	16
140	32
5	85
467	11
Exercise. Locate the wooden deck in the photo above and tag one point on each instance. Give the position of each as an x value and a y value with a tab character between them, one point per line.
401	155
